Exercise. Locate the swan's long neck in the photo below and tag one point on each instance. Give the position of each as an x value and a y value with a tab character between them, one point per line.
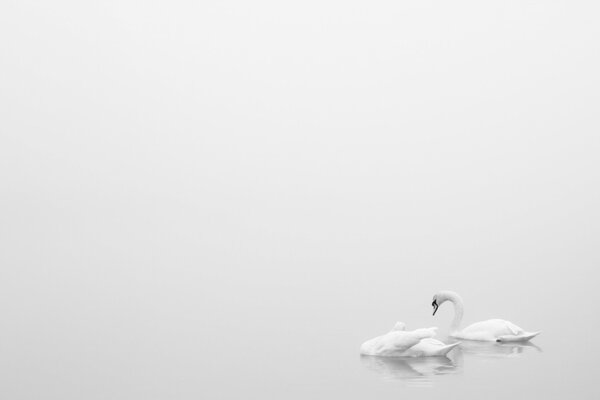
458	311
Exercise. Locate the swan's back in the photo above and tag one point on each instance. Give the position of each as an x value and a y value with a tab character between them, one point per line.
395	342
490	329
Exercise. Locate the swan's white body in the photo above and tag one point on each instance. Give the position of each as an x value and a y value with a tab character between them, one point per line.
402	343
492	330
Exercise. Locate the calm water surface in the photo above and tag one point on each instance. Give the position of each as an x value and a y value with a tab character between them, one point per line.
300	339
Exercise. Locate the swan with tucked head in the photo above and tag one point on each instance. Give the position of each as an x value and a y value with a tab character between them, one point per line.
492	330
402	343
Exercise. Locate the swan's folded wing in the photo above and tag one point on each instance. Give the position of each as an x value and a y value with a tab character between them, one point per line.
426	332
404	340
400	341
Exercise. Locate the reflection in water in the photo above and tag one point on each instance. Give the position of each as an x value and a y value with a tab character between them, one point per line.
422	371
413	371
496	350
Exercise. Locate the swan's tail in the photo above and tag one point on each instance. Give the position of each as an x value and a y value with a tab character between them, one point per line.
524	337
446	349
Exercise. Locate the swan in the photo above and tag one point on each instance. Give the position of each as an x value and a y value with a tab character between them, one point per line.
492	330
402	343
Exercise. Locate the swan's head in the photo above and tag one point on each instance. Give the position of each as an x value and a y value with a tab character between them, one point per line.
436	303
441	297
400	326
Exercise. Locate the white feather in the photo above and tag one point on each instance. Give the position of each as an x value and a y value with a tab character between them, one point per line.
402	343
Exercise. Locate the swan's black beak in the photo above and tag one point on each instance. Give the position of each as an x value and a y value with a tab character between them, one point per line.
435	306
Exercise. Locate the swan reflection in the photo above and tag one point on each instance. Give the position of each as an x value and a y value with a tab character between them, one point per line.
413	371
497	350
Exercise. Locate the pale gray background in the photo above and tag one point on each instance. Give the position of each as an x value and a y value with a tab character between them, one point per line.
224	199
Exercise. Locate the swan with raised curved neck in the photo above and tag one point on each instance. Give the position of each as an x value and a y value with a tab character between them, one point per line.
492	330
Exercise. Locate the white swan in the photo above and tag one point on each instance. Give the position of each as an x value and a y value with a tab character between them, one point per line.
492	330
402	343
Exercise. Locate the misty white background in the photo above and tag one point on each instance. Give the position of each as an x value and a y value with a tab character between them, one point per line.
225	199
